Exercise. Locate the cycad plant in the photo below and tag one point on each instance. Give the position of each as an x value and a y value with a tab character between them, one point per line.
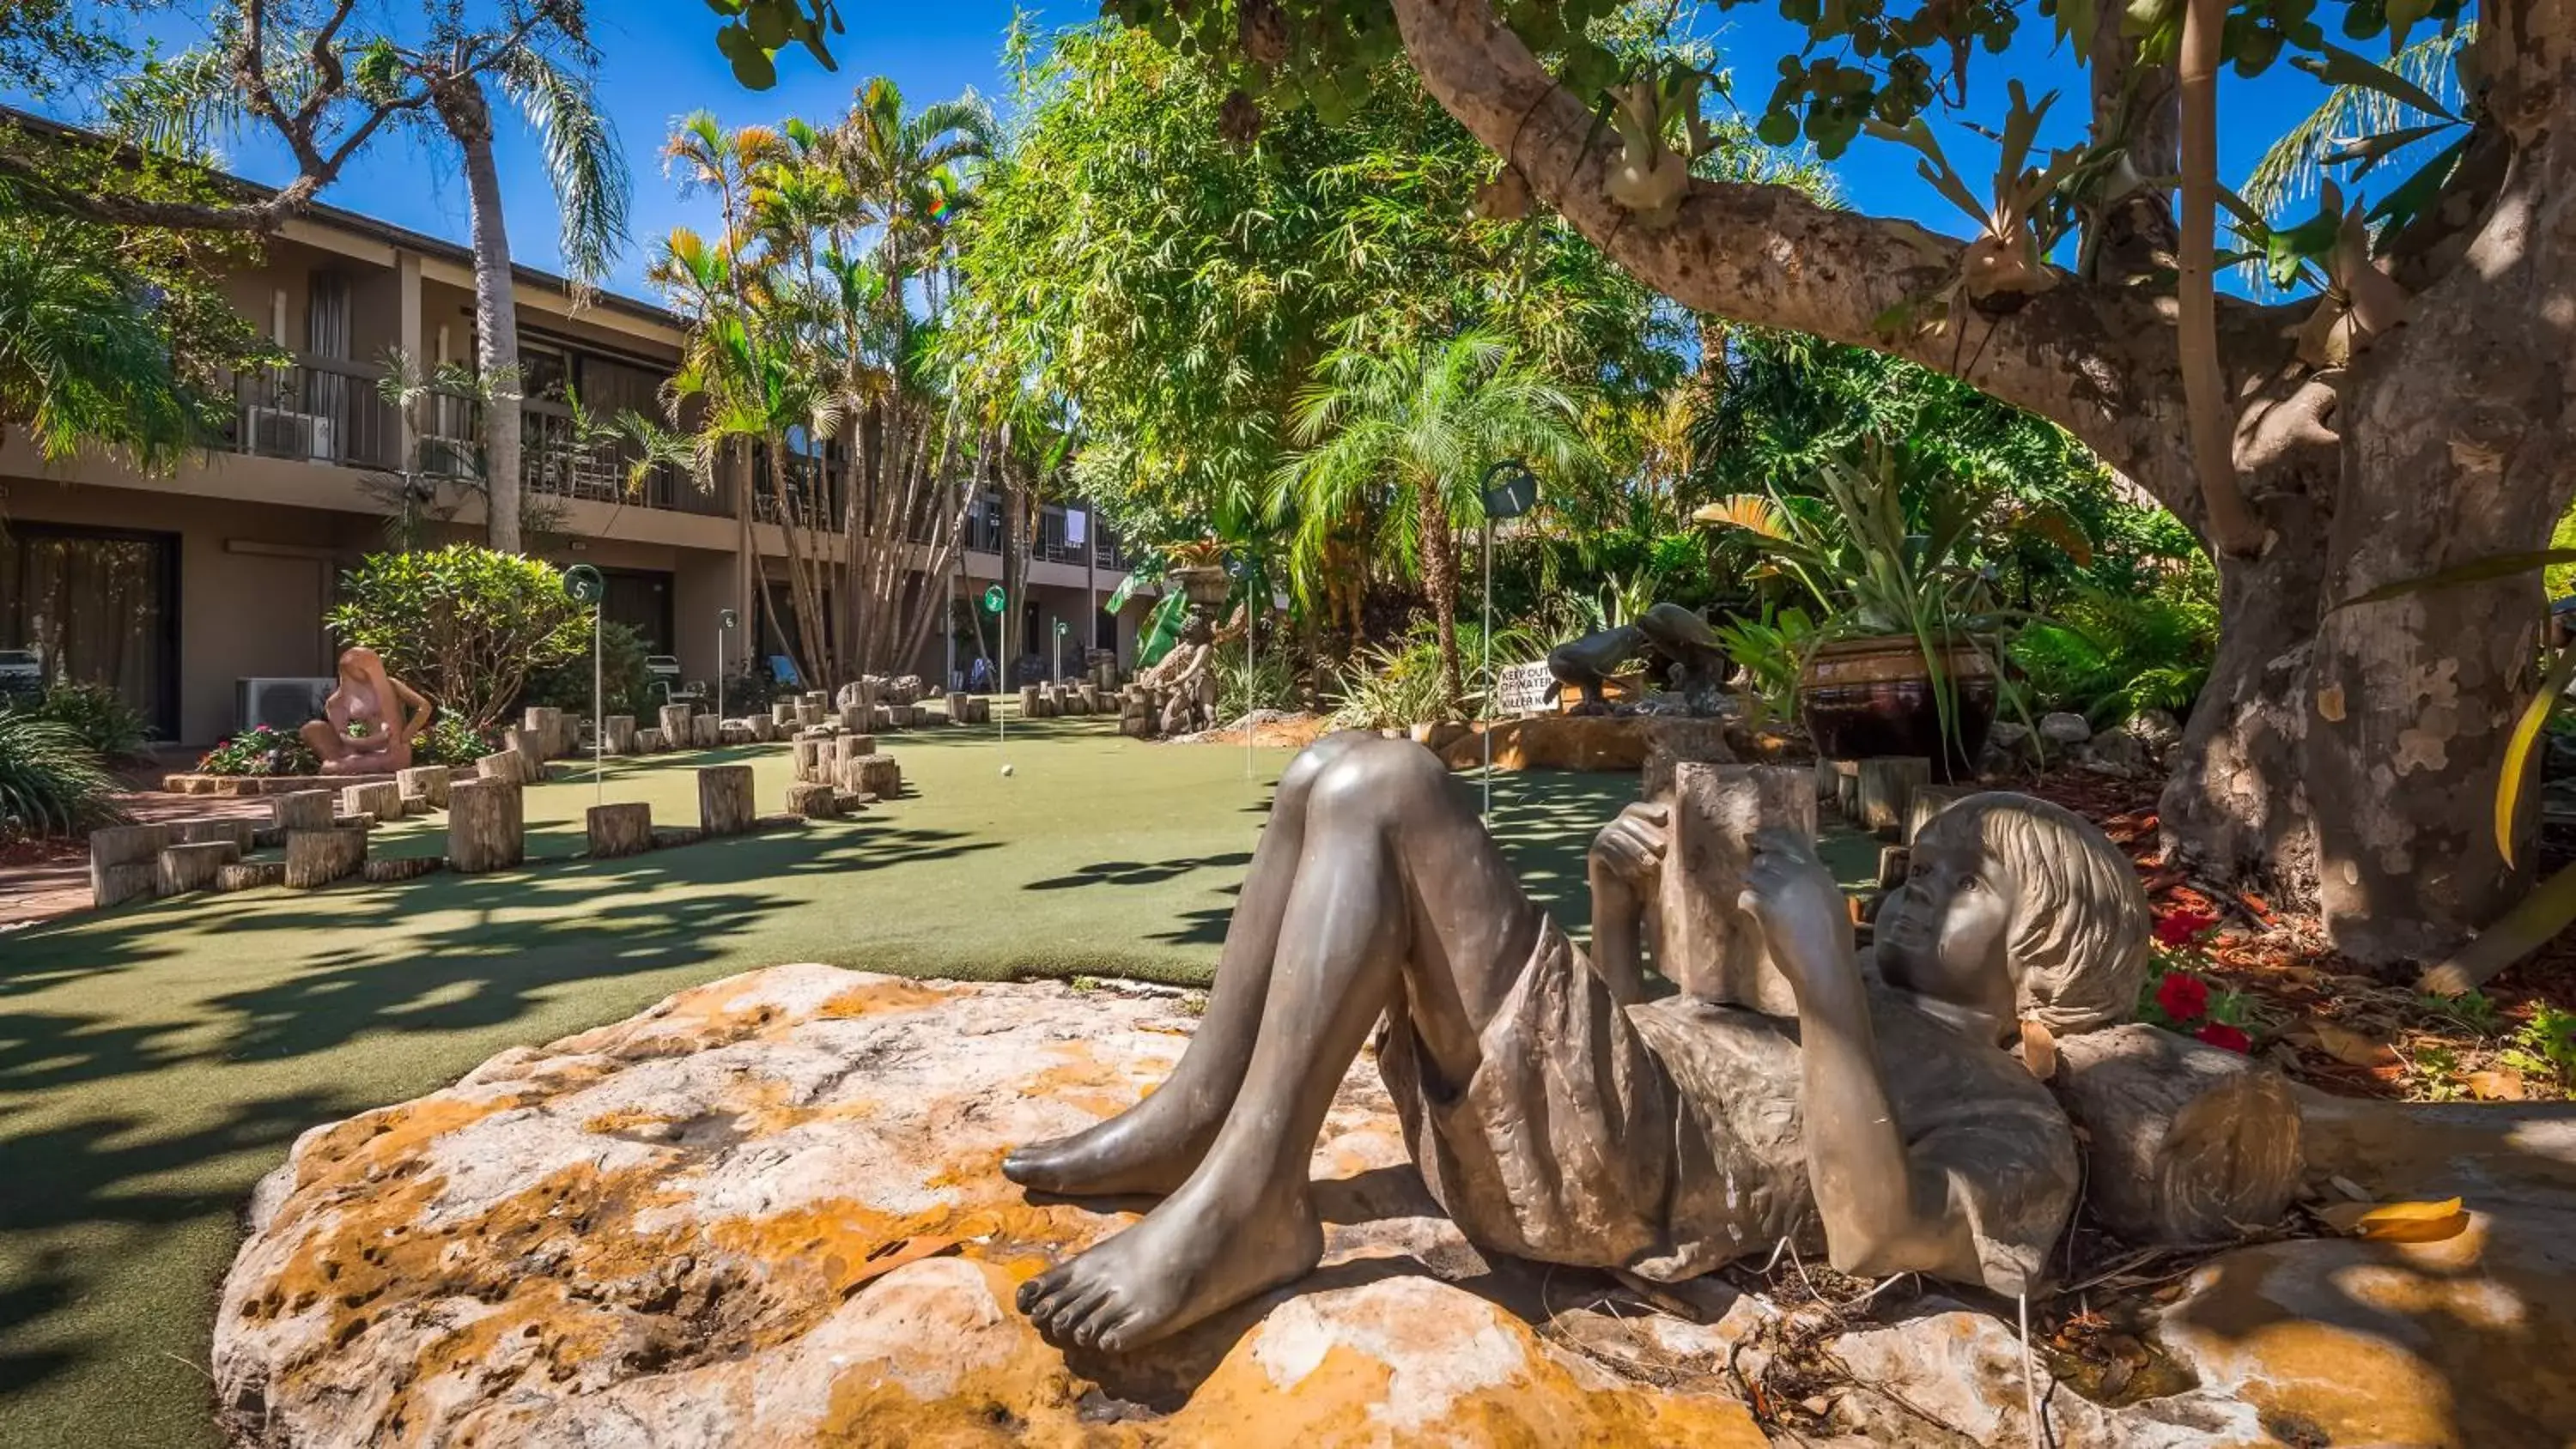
1394	439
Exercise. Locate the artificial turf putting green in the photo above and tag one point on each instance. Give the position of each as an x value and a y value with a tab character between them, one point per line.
155	1061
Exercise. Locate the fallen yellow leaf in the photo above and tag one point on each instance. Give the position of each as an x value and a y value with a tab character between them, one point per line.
2349	1047
2398	1222
2495	1086
2038	1050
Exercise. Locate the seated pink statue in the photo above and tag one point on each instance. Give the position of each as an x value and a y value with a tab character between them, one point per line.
369	722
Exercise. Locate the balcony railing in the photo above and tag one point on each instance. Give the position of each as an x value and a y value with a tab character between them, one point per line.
315	410
554	461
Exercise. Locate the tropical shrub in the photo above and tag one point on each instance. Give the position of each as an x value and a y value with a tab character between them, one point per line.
261	751
629	683
450	741
104	720
1771	650
466	625
2111	657
1399	685
51	782
1268	681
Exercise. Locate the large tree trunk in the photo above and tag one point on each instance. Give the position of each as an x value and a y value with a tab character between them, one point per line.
2344	757
463	109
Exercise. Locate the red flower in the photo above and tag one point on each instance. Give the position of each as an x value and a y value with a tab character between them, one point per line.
2182	996
2220	1034
2181	928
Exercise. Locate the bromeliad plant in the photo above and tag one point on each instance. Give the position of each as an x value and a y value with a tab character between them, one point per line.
1887	547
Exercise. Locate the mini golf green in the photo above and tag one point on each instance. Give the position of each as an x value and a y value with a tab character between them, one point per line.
155	1061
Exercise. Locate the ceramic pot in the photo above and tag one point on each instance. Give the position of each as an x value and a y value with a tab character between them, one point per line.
1206	587
1873	696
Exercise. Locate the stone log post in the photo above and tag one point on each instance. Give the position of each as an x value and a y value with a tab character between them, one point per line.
811	800
811	752
243	834
124	863
724	799
544	727
674	722
1887	786
184	868
619	830
426	783
878	775
316	858
485	826
509	767
1701	940
380	798
621	734
304	810
651	742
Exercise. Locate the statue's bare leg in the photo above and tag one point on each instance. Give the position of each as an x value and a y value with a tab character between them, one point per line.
1400	899
323	740
1153	1146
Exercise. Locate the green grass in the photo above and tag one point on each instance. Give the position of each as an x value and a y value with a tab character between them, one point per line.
154	1062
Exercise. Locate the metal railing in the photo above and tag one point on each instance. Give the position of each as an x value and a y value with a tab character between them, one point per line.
315	410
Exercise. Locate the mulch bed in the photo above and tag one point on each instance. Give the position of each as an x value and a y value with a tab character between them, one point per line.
2319	1016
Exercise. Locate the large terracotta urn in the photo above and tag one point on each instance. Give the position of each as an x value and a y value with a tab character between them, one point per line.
1874	696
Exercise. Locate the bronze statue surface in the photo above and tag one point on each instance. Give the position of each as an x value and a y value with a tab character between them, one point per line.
1556	1112
1678	635
369	721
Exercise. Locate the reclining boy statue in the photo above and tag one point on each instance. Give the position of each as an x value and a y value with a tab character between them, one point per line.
1556	1113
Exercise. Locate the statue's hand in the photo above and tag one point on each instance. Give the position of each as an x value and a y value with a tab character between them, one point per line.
1802	912
1629	852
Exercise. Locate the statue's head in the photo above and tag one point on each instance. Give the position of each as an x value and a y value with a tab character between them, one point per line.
2018	909
361	665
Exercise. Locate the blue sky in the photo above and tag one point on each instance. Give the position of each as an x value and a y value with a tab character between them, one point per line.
661	63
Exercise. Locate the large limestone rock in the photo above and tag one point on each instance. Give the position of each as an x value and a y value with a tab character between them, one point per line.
766	1212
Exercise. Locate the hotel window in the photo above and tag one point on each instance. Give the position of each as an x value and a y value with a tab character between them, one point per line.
91	605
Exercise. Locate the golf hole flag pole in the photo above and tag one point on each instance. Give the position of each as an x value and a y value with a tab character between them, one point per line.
583	585
1510	489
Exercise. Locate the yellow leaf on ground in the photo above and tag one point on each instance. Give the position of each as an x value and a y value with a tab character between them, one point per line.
2495	1086
2347	1046
2399	1222
895	1255
2038	1050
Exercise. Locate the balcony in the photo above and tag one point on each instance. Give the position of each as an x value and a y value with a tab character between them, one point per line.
553	461
315	410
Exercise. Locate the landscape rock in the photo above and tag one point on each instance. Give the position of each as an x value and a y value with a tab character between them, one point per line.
768	1211
2065	729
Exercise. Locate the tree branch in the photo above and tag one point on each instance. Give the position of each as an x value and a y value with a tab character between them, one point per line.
2096	359
2232	526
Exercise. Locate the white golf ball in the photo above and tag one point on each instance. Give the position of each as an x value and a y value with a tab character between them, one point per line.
1008	771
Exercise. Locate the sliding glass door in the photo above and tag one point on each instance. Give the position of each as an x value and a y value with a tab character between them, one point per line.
94	605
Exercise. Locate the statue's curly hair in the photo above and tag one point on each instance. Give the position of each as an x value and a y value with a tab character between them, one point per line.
2080	922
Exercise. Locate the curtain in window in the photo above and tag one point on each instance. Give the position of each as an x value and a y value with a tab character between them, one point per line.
90	607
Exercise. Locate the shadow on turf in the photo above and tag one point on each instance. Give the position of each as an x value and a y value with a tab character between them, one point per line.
480	966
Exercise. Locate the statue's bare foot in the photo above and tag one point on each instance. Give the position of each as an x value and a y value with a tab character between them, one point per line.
1181	1264
1146	1149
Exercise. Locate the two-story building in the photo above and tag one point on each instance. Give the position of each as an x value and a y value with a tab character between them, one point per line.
178	589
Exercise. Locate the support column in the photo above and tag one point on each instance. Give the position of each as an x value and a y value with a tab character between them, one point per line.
408	336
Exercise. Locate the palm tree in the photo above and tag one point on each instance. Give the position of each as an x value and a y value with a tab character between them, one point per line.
1402	437
541	58
83	358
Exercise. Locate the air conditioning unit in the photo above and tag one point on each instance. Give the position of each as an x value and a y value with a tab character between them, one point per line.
280	704
278	433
